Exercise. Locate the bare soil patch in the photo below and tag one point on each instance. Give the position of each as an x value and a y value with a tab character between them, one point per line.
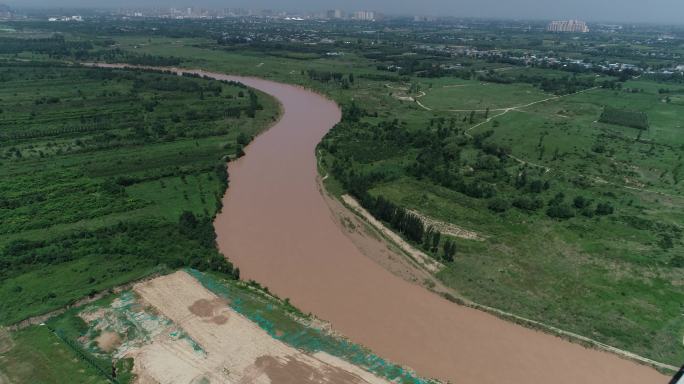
6	342
108	341
225	347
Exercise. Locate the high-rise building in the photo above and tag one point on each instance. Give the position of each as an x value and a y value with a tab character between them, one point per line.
334	14
364	15
5	11
568	26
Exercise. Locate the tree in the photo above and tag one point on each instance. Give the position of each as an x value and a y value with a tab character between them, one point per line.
435	240
498	205
560	211
528	203
581	202
449	249
603	209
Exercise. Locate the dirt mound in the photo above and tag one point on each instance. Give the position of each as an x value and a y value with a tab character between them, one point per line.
108	341
215	311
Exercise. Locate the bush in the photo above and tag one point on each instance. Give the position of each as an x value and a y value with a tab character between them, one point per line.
581	202
603	209
528	203
498	205
560	211
677	261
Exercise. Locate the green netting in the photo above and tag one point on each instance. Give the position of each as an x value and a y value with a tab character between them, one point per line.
278	319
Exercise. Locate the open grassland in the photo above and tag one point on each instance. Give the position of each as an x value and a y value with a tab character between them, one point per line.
467	95
97	167
598	206
36	355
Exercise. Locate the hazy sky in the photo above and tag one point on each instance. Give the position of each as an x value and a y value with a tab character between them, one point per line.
670	11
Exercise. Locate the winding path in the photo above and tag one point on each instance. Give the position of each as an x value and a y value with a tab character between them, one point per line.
277	227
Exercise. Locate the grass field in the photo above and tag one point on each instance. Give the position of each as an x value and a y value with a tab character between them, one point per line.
38	356
615	276
88	170
467	95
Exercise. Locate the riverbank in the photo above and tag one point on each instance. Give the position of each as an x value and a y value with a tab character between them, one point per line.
262	228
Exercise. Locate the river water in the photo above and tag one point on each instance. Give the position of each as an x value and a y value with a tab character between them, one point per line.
277	227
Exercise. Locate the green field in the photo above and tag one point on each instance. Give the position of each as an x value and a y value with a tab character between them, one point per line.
581	219
36	355
468	95
88	170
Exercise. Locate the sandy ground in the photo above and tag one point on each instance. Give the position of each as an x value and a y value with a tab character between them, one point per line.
232	349
6	344
3	378
108	341
370	242
424	260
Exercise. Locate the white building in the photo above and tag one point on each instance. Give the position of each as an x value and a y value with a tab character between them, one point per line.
364	15
568	26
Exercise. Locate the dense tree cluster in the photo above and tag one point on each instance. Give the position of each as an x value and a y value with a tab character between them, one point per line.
53	46
632	119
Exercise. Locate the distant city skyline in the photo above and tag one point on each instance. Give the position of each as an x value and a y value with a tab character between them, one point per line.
656	11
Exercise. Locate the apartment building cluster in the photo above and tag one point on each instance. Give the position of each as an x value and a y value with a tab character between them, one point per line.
5	12
339	14
568	26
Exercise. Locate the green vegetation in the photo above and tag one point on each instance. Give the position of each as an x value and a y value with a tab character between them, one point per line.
581	219
630	119
97	177
37	356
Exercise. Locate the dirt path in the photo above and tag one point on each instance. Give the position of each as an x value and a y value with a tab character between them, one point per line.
517	109
277	227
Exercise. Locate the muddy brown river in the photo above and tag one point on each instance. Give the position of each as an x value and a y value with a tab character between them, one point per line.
277	227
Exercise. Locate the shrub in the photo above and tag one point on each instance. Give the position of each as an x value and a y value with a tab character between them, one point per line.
499	205
528	203
603	209
560	211
581	202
